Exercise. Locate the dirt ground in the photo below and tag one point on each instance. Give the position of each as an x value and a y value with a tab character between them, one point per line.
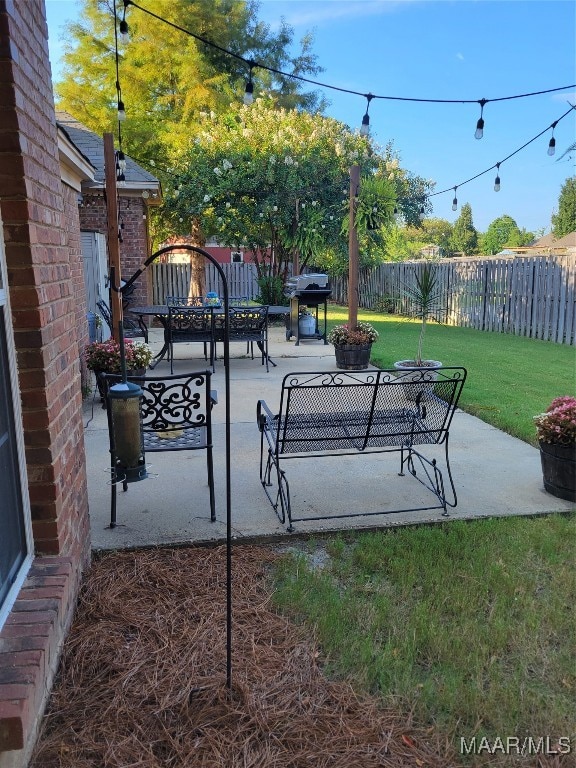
143	677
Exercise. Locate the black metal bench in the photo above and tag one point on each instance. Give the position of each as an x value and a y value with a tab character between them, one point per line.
364	412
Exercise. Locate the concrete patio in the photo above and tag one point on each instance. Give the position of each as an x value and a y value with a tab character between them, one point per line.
494	474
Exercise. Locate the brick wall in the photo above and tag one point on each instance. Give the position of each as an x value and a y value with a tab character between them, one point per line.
47	299
134	244
72	229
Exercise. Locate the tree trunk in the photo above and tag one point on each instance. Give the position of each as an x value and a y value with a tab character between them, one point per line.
197	262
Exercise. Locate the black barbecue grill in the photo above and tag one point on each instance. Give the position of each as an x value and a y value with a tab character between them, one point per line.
311	291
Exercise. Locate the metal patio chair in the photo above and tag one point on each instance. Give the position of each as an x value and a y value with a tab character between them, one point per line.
247	324
133	329
190	324
175	415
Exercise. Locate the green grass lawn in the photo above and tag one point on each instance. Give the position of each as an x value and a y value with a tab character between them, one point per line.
469	625
510	378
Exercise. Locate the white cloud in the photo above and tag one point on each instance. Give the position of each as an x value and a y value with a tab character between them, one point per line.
328	10
460	56
565	97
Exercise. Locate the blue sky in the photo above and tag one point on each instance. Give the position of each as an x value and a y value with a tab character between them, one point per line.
443	49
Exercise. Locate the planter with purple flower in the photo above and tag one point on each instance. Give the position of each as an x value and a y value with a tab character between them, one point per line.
556	430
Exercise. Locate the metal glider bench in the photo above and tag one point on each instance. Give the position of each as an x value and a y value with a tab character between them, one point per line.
360	413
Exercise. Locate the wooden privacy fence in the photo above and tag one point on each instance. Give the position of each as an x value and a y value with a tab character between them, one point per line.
174	280
532	296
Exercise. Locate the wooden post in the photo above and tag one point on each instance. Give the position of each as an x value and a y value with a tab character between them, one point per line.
296	253
353	249
113	242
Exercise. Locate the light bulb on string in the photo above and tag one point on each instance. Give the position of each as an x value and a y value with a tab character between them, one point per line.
552	142
365	127
249	90
124	31
421	213
120	166
455	201
497	179
480	124
121	111
121	160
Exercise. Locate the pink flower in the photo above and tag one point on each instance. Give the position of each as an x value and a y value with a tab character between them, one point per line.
558	424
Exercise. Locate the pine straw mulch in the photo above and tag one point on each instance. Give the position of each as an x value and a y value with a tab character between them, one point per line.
143	678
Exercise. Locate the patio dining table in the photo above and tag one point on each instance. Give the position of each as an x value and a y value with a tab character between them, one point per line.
160	311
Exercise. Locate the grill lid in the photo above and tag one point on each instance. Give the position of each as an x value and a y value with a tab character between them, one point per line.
311	281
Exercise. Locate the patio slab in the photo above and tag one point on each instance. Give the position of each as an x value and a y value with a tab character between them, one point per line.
495	474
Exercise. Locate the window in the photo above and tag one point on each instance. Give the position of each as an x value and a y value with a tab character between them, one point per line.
236	257
15	541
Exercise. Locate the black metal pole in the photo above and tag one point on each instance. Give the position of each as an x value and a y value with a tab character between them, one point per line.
229	585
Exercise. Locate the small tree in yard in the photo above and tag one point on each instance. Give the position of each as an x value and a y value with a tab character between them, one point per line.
504	233
276	182
464	235
564	221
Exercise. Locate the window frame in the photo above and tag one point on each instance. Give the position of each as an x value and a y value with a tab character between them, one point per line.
16	418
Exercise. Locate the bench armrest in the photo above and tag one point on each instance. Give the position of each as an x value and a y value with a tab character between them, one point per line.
264	415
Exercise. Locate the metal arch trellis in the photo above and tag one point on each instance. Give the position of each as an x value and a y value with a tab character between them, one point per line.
127	285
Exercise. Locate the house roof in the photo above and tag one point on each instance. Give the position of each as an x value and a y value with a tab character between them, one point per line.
92	147
549	241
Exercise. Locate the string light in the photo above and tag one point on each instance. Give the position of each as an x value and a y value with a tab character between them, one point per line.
292	76
121	161
121	107
249	92
365	128
366	119
480	124
455	201
421	214
516	151
497	179
552	142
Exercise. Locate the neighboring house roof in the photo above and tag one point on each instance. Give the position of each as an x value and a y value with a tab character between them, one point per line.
92	147
549	241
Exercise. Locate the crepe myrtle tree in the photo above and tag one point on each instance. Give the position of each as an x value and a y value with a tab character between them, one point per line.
276	182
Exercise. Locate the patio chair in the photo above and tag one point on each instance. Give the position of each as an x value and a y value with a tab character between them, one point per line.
248	324
175	415
133	329
184	301
190	324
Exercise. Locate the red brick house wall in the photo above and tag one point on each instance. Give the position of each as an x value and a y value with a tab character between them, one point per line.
132	213
46	294
72	219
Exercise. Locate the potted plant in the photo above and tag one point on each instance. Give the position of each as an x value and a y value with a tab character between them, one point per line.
104	357
425	298
556	432
353	345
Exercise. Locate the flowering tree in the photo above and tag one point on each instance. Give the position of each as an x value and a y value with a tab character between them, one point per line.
277	182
